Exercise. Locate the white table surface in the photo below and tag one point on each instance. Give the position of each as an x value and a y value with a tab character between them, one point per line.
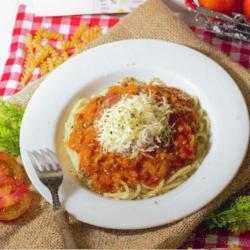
8	10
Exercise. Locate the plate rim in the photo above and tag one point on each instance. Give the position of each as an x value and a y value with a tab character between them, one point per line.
157	41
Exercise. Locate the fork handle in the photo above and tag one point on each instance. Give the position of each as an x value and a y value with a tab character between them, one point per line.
62	221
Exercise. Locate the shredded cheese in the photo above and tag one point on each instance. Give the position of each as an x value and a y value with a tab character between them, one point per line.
134	124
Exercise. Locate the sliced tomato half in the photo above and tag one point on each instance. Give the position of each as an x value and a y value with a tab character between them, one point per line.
10	166
15	197
14	203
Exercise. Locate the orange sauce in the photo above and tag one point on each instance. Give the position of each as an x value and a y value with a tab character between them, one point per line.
108	170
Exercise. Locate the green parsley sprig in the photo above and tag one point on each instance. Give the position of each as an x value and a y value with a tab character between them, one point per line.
10	122
235	218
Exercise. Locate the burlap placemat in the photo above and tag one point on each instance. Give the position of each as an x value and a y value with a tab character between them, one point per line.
38	230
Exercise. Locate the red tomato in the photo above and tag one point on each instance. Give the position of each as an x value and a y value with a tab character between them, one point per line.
8	192
18	208
11	167
15	197
223	6
246	8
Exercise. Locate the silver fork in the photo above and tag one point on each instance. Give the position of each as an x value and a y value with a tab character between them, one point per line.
50	174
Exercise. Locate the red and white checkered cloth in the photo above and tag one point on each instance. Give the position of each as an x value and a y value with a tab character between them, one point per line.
9	85
29	23
238	51
218	239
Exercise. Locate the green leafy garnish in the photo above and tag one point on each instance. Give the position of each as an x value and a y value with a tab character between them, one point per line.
235	218
10	122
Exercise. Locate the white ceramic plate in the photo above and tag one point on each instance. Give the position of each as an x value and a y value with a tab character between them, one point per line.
177	66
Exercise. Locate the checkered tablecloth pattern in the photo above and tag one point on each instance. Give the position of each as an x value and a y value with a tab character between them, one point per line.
218	239
9	85
238	51
29	23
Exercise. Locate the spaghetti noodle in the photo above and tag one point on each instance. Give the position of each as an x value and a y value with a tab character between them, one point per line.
137	140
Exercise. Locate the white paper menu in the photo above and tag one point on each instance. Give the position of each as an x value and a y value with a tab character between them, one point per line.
79	7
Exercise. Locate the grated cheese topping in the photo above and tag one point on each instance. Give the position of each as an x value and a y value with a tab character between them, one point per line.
134	124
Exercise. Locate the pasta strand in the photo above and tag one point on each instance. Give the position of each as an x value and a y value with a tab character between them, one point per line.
39	35
77	35
27	75
52	35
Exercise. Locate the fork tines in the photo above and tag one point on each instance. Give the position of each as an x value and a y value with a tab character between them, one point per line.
44	160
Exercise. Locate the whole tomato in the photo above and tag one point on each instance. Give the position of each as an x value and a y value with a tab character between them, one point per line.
223	6
246	8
